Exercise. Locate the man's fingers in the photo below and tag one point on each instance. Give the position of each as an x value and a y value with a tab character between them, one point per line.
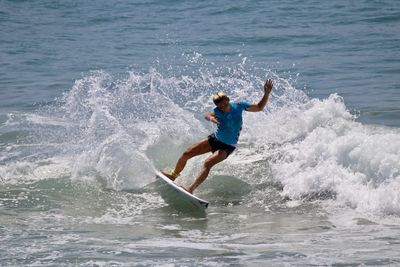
268	84
215	121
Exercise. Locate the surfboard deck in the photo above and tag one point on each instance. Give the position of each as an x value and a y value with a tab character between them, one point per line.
176	195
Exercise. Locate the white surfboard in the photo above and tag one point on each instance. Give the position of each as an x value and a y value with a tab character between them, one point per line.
173	193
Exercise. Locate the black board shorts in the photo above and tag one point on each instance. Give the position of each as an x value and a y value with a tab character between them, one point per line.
217	145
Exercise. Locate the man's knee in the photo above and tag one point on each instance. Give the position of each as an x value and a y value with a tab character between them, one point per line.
188	154
209	163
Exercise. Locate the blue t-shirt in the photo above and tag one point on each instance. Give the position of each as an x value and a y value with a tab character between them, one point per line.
230	123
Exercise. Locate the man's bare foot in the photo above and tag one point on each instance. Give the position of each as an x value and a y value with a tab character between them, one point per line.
169	176
187	188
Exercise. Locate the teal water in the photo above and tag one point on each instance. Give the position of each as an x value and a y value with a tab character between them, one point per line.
96	95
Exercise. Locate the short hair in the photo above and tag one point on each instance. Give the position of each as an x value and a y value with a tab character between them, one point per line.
218	97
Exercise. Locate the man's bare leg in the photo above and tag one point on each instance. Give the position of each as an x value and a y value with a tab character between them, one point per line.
215	158
196	149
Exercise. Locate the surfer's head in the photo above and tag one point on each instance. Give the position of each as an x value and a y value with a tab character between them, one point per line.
221	100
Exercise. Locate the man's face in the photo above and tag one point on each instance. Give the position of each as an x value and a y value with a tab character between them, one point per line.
223	104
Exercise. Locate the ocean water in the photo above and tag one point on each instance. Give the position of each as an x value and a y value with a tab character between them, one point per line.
96	95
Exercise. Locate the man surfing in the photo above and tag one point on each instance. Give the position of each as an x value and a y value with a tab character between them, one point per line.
228	116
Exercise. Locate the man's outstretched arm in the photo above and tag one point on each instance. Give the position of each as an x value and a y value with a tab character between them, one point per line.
261	104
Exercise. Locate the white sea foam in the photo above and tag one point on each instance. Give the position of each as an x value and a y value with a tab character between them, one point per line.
325	151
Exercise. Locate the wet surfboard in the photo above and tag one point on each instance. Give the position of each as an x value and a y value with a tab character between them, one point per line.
177	196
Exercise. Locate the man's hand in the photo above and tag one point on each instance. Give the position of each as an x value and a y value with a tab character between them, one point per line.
261	104
214	120
268	86
210	116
